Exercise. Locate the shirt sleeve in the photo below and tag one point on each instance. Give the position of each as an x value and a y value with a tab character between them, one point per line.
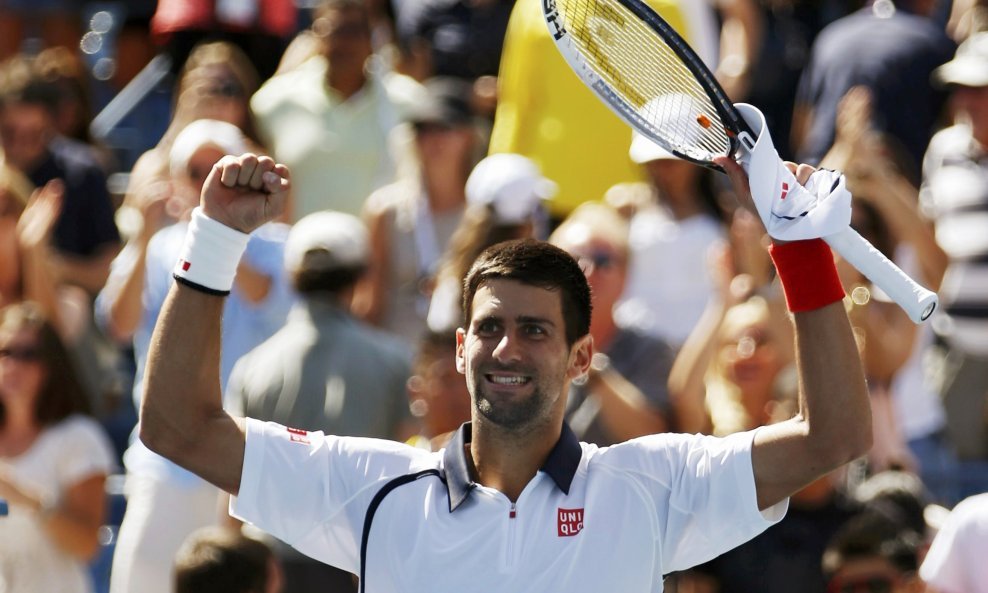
702	489
311	490
955	562
86	452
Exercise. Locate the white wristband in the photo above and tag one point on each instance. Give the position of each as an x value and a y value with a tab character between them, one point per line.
210	255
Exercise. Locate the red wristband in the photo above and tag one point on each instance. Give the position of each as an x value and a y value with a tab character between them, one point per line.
808	274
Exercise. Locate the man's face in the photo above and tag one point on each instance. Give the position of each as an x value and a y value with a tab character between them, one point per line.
515	356
25	131
346	38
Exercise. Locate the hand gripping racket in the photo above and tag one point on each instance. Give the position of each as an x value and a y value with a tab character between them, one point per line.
647	74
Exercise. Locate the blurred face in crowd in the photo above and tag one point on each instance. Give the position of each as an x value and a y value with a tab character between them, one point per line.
973	103
438	394
22	372
674	178
222	96
442	148
750	356
604	264
189	186
25	131
346	38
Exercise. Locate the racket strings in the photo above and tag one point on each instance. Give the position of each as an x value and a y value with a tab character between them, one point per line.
647	76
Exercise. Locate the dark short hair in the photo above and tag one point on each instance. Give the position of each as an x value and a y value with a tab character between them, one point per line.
308	281
539	264
872	535
221	560
21	82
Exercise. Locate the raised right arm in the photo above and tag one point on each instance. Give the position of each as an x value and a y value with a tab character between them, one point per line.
182	416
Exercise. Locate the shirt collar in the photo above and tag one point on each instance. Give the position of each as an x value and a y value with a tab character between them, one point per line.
561	465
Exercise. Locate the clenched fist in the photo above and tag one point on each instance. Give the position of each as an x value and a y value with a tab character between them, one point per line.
243	192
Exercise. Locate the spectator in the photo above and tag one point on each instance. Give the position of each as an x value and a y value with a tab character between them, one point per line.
955	193
54	460
459	38
437	394
329	119
504	201
955	562
873	552
164	502
411	220
216	83
737	362
63	68
85	237
624	395
886	212
324	370
670	236
218	560
889	48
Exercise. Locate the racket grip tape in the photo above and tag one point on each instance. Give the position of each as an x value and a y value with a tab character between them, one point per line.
918	302
4	509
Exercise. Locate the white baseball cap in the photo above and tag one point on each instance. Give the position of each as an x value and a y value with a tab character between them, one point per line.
343	238
644	150
969	66
225	136
512	184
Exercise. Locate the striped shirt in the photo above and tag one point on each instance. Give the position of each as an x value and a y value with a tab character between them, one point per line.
955	195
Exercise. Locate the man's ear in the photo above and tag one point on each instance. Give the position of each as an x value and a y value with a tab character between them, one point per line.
581	354
461	336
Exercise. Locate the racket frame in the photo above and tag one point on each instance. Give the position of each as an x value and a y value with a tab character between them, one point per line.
739	134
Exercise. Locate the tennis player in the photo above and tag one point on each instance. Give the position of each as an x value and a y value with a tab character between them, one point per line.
514	502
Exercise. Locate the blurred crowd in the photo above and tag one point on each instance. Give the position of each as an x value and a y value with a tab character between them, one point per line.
418	133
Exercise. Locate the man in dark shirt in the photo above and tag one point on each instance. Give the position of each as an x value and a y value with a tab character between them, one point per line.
889	48
85	235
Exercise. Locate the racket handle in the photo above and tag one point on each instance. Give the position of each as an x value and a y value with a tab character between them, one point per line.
918	302
3	508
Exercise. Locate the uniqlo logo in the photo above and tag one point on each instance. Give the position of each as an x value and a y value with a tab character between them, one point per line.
185	266
785	190
297	435
569	521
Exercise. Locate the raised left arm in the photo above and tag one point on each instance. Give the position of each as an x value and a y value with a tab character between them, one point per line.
833	425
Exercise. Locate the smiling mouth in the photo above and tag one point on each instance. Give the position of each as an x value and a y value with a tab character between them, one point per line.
507	380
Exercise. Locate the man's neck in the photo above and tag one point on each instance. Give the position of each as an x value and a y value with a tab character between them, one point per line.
346	84
506	461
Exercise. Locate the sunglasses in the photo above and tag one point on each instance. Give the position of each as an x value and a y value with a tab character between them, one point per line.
21	354
597	260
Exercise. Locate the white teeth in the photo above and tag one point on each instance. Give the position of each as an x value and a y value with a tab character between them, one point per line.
508	380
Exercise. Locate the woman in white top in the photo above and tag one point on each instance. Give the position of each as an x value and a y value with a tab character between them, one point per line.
53	461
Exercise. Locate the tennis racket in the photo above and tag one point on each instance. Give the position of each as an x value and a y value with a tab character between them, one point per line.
647	74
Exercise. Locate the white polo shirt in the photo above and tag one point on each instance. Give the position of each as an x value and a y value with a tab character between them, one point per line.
592	520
